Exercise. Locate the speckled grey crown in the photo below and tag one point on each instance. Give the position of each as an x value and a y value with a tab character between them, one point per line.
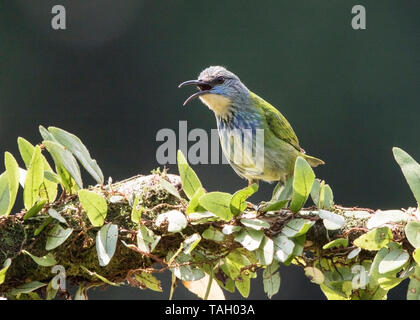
216	71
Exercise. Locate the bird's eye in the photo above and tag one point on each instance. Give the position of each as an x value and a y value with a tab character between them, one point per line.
220	80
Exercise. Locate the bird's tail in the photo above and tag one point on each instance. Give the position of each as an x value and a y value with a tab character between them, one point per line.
313	162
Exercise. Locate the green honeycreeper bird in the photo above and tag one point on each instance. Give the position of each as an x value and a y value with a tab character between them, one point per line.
241	115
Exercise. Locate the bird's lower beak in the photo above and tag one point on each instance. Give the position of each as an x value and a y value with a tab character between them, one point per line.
203	86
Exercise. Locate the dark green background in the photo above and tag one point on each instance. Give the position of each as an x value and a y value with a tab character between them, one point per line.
112	78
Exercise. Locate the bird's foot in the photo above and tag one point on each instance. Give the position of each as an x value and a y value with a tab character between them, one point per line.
261	206
251	206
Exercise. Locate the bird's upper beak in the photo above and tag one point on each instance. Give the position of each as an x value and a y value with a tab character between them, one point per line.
203	86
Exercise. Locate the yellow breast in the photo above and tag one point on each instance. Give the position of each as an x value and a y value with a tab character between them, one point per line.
218	103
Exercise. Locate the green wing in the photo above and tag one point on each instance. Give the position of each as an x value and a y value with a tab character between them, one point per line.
276	122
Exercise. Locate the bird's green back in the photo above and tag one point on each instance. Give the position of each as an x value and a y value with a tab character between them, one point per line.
276	122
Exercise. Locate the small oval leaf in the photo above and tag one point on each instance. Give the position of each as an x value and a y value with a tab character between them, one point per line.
302	184
106	243
45	261
95	206
217	203
189	179
56	236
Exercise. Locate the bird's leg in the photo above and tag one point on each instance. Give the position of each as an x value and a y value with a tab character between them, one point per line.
277	190
250	183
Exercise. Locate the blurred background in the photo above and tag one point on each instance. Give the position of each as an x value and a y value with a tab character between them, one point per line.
111	78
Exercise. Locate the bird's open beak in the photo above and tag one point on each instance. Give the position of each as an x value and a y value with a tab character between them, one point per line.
203	86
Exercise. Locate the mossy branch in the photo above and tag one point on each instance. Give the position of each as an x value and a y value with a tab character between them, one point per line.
79	249
126	231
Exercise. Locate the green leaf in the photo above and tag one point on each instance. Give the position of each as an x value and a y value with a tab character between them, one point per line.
78	149
302	184
271	279
213	234
37	207
255	224
408	270
3	270
354	253
335	290
265	252
4	193
297	227
229	229
283	191
297	249
12	171
80	293
250	239
176	220
328	197
51	177
283	248
191	242
54	214
315	191
34	179
45	261
26	150
193	205
412	232
410	169
48	190
413	292
95	206
217	203
341	242
185	272
387	280
46	222
275	205
66	180
331	294
315	275
27	287
243	284
63	158
332	221
238	201
170	188
381	218
202	217
394	260
374	239
56	236
387	283
322	195
416	256
146	239
101	278
106	243
51	292
147	280
234	262
136	210
189	179
45	134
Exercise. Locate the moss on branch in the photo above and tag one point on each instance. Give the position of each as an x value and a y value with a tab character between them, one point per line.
79	249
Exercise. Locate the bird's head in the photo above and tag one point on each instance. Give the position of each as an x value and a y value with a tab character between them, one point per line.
218	89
